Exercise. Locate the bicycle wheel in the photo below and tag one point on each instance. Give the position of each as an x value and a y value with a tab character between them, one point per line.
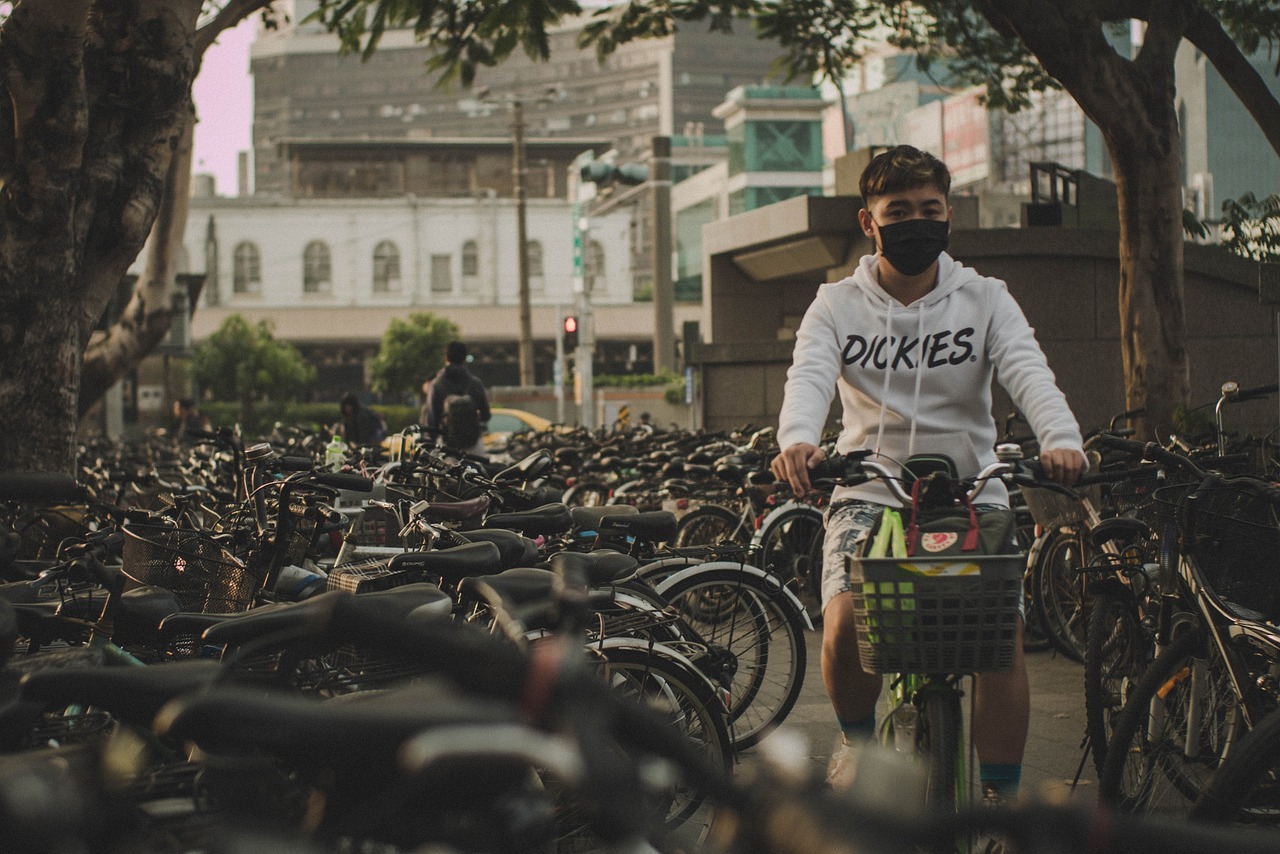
1117	652
938	740
1061	600
1246	787
706	525
791	548
1172	732
586	493
670	687
756	643
1034	636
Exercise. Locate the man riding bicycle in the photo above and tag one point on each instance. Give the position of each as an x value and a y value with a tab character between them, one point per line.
911	340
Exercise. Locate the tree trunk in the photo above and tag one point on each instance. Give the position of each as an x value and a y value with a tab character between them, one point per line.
145	321
96	96
1132	103
1153	329
112	353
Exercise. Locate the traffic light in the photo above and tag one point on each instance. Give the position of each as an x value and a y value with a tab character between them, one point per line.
602	172
570	333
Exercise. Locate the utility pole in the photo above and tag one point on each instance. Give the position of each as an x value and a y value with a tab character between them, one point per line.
663	289
522	243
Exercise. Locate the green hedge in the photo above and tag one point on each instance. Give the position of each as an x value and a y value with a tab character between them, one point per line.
312	415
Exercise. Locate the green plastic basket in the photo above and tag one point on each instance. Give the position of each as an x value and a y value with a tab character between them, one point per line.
937	615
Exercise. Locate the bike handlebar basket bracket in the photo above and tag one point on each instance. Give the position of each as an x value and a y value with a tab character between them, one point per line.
203	575
937	615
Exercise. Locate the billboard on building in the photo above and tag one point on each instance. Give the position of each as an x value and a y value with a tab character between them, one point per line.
966	145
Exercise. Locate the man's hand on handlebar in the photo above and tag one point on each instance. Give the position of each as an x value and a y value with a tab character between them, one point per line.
1062	465
794	463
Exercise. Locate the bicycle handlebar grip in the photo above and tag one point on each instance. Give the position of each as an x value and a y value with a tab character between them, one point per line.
1253	393
39	486
293	463
345	480
1129	446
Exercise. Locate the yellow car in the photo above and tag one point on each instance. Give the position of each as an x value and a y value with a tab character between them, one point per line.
503	422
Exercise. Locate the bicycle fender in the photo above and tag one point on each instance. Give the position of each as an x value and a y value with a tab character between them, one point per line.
663	649
771	518
772	583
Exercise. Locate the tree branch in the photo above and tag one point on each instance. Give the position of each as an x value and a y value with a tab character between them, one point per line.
1167	23
1207	34
229	16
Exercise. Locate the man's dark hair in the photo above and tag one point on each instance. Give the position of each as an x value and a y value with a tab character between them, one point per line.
455	353
186	402
903	167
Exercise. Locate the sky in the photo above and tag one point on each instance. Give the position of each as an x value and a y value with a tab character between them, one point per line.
223	92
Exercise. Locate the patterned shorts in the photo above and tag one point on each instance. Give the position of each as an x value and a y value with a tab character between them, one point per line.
848	523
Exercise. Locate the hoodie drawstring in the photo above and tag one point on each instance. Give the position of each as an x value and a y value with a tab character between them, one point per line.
888	368
915	400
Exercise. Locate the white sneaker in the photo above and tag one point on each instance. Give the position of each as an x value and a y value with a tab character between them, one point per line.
842	769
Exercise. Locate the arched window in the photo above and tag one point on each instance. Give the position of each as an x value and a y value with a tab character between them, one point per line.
317	268
533	252
386	268
593	265
247	270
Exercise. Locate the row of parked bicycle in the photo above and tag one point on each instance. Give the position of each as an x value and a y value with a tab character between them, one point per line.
517	658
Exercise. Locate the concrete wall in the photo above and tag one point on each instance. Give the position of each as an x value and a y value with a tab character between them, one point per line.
1065	279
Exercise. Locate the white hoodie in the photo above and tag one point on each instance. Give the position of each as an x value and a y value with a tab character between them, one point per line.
917	378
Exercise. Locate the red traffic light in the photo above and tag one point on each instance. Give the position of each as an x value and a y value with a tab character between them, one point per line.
571	324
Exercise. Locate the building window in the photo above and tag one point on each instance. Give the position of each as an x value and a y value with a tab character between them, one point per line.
441	274
247	274
470	259
386	268
317	268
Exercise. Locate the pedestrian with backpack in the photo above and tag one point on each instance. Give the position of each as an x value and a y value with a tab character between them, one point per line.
457	407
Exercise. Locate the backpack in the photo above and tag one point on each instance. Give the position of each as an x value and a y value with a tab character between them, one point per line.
461	424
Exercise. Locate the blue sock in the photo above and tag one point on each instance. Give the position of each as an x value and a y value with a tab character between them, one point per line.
1000	778
859	730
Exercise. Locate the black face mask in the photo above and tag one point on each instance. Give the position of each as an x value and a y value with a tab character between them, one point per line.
913	244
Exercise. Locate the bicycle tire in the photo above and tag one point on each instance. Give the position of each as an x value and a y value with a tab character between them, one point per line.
1117	651
1146	767
586	493
1246	786
938	740
1060	598
674	688
706	525
791	548
762	631
1034	637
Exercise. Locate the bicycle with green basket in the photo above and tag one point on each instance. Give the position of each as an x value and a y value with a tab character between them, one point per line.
937	598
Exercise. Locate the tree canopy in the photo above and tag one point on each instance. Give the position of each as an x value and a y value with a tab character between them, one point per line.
411	352
244	362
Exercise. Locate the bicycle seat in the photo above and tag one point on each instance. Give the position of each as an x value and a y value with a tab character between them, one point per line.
547	519
456	511
1118	528
654	526
600	567
519	586
514	549
452	564
132	694
588	518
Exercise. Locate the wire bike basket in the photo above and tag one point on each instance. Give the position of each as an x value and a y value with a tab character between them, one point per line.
1232	534
203	575
937	615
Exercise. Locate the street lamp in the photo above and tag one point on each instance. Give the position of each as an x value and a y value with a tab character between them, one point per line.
518	169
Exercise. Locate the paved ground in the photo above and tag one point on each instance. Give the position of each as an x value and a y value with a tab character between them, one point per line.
1053	744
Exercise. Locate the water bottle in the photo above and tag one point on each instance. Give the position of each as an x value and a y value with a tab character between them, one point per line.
335	454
